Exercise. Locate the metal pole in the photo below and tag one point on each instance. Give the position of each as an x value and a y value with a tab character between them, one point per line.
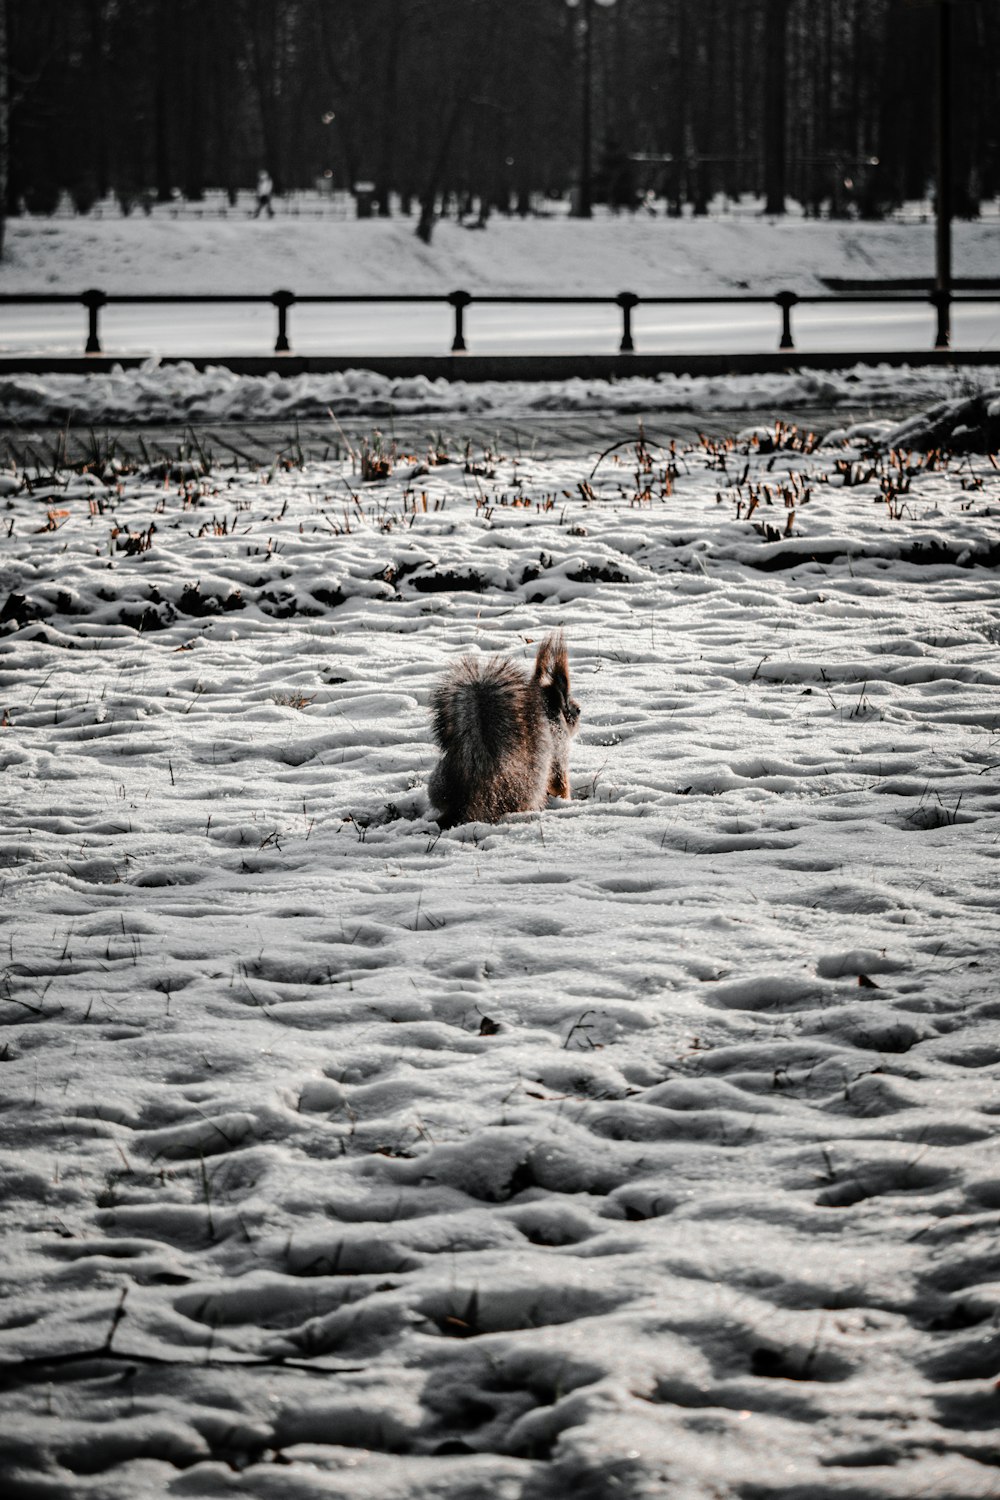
786	301
93	301
626	301
459	301
942	276
282	301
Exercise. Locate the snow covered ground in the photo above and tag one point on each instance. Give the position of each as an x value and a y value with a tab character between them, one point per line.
652	257
606	255
642	1147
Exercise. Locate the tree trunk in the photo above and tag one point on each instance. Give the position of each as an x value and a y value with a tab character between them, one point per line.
266	66
4	133
428	198
193	52
341	118
387	144
677	96
100	167
161	90
775	103
223	93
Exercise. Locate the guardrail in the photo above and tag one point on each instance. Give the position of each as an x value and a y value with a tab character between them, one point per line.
94	300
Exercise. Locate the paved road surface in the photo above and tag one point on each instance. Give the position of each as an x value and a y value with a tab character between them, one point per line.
345	330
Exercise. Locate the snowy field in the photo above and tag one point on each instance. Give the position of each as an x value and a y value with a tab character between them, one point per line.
606	255
642	1147
652	257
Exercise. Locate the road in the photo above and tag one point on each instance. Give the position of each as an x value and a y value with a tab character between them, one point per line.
373	330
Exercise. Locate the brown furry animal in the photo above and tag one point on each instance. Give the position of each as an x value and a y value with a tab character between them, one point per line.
504	735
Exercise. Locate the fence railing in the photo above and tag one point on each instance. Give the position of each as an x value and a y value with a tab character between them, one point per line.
94	300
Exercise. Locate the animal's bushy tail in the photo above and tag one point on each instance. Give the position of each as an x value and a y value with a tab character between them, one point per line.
477	711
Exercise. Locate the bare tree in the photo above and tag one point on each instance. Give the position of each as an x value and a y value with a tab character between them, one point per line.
821	100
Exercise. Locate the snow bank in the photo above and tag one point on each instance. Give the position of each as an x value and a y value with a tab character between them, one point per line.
182	393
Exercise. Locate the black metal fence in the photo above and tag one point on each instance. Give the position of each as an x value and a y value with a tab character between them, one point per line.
94	300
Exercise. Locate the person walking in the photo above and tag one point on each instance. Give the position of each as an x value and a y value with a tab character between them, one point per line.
265	187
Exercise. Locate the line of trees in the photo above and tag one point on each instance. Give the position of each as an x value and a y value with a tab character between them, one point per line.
826	101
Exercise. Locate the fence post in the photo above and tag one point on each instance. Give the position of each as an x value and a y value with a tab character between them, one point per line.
626	301
786	301
459	301
941	299
93	301
282	301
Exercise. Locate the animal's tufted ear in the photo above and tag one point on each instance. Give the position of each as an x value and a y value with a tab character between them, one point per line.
552	675
550	659
552	663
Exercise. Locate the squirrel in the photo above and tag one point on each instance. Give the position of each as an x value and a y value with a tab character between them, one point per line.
504	736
